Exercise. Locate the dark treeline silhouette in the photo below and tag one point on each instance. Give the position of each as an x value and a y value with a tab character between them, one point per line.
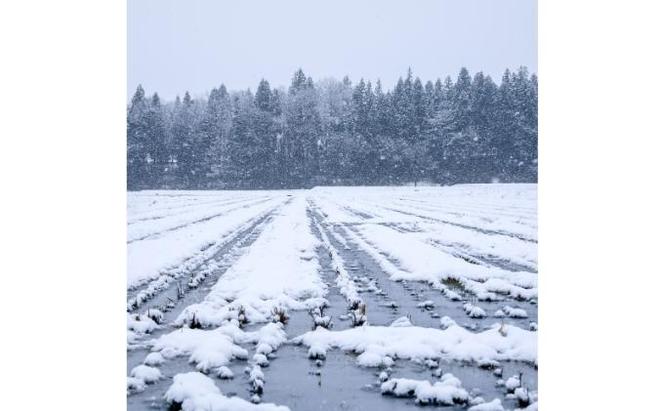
337	133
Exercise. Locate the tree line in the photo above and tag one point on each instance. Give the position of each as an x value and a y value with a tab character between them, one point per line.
332	132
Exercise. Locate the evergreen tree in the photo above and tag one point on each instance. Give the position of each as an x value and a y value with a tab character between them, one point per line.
462	100
184	144
264	96
298	83
301	134
213	134
136	140
332	132
155	142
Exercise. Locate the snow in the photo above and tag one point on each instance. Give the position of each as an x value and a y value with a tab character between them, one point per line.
474	245
512	383
446	322
426	262
261	360
502	208
374	343
141	323
401	322
225	373
343	279
418	261
494	405
428	304
135	385
189	385
280	270
197	392
153	359
447	391
207	349
522	395
212	349
146	373
497	246
142	228
474	311
147	258
515	312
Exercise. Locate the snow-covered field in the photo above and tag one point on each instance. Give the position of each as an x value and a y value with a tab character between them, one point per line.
333	298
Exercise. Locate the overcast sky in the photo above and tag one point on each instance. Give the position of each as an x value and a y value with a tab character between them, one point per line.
195	45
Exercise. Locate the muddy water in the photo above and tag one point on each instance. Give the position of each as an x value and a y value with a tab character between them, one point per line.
341	385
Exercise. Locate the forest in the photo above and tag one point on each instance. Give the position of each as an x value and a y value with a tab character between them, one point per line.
336	132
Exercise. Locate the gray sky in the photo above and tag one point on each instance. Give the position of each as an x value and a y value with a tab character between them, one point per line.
196	45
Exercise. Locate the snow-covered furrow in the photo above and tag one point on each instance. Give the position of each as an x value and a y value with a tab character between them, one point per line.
385	299
174	353
474	224
448	309
172	286
147	259
154	202
503	250
525	213
511	198
155	206
508	199
343	279
381	215
334	213
380	345
279	272
417	261
423	302
387	205
489	258
519	227
486	247
487	216
153	215
154	229
363	212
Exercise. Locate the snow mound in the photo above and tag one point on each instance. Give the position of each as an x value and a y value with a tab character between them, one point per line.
494	405
141	323
135	385
474	311
447	391
401	322
515	312
206	348
146	373
153	359
374	343
446	322
196	392
212	350
224	373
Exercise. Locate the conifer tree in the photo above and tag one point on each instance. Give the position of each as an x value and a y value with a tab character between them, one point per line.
332	132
